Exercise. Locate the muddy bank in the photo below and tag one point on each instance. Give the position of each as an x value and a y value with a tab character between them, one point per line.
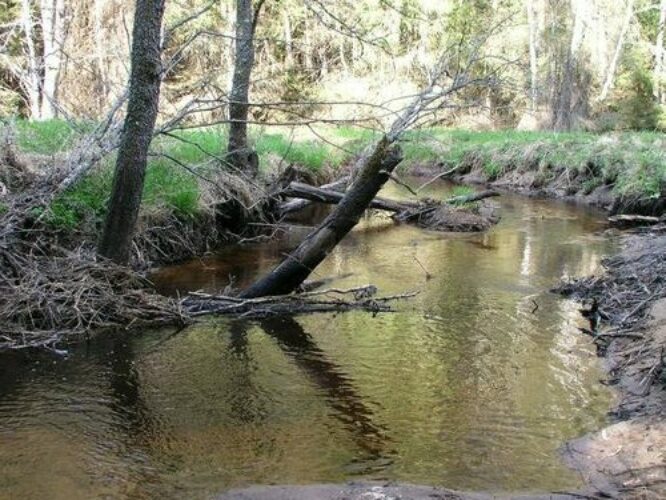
628	458
587	188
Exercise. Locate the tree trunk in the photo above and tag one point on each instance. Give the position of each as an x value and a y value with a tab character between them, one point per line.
145	79
32	83
563	106
659	53
238	151
288	42
375	171
534	57
53	34
610	75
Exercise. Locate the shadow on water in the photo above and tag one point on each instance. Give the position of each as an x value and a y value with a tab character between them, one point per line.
350	407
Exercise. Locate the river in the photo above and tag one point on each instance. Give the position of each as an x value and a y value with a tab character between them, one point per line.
474	384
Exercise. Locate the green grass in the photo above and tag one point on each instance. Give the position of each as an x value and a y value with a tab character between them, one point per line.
47	137
633	163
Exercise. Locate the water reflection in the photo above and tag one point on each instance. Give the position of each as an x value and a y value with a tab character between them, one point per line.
467	386
349	406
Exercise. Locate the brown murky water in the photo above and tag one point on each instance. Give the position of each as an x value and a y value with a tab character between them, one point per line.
465	386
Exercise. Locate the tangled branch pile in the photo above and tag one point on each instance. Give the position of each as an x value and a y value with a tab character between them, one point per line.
623	297
631	283
49	294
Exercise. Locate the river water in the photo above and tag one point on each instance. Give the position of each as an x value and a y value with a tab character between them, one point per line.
466	386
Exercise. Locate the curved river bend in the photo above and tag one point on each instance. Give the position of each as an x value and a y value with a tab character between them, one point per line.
466	386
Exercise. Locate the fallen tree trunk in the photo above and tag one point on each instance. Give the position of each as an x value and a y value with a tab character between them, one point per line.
295	269
323	195
302	202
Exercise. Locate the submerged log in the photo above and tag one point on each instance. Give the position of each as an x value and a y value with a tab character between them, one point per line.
471	198
295	269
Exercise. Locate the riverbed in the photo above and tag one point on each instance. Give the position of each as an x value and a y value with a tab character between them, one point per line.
474	384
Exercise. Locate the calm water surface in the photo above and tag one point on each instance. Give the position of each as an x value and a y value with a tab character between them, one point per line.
466	386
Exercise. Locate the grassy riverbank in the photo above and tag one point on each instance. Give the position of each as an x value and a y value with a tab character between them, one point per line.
627	165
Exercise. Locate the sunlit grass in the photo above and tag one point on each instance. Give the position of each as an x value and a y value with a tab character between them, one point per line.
632	163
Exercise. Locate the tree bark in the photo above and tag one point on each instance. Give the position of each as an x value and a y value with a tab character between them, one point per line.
610	75
145	79
295	269
238	151
534	55
299	204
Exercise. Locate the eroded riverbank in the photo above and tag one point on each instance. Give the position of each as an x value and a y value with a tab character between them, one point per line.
627	458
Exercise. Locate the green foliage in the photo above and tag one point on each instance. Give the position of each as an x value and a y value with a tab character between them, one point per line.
638	107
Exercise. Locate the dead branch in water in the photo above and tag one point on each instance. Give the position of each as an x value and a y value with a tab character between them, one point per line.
331	300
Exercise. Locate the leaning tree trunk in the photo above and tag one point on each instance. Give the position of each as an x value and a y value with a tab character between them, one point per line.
145	78
238	152
295	269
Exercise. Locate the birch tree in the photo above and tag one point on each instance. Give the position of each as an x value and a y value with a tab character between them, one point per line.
534	54
610	74
659	52
564	98
53	34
